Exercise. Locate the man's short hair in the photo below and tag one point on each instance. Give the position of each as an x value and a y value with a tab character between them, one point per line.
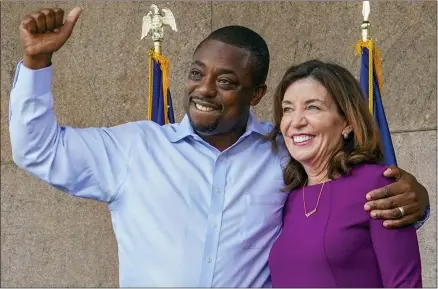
248	39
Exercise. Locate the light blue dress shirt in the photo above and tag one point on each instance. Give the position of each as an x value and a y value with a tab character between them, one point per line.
184	214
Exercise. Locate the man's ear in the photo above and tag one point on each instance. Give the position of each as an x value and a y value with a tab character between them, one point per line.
259	92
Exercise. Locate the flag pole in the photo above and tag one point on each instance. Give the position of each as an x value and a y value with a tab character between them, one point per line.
365	24
366	42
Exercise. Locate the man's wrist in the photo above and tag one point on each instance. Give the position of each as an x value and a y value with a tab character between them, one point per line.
423	219
37	62
32	81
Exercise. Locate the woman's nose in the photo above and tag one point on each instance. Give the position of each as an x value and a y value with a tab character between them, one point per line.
299	119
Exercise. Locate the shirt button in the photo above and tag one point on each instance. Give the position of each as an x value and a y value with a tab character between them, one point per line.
209	260
214	225
217	190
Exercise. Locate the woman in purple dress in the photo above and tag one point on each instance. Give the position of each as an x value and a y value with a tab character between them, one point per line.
328	240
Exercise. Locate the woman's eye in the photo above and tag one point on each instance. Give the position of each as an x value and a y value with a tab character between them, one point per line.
313	107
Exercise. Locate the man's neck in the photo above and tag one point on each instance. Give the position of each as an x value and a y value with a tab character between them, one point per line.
224	141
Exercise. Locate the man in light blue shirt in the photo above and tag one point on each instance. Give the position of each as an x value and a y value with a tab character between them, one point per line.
197	203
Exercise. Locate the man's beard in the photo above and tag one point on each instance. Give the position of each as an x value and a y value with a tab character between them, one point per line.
212	129
205	129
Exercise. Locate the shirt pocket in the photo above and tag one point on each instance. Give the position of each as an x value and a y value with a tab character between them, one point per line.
262	219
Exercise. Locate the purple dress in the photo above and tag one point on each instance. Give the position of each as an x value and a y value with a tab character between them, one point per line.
340	245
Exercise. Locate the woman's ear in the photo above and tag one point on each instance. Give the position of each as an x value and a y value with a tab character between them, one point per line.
346	131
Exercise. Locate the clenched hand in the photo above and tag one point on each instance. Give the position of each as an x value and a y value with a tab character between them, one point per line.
42	33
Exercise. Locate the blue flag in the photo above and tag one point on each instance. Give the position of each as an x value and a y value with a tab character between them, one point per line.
160	108
370	84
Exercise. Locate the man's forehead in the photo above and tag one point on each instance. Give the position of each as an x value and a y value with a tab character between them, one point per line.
214	51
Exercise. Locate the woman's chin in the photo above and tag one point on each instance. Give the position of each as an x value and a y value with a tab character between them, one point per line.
303	158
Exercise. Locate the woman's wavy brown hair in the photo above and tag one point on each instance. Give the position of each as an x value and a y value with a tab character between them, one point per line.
363	143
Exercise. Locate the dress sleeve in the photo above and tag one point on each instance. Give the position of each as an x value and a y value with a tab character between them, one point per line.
397	251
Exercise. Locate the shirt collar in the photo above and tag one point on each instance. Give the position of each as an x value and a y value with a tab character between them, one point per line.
185	129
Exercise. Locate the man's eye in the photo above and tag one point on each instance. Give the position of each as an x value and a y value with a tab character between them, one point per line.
224	81
225	84
195	74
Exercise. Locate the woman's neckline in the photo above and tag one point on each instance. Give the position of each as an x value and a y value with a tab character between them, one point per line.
318	184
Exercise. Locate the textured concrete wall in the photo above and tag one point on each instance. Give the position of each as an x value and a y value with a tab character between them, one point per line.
51	239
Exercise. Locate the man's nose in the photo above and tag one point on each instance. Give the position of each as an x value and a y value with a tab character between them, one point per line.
207	87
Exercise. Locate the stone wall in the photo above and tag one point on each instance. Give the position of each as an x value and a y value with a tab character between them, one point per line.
50	239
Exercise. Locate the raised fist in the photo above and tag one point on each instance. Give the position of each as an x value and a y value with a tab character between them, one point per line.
43	33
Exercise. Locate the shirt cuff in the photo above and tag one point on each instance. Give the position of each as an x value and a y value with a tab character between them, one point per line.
423	219
33	82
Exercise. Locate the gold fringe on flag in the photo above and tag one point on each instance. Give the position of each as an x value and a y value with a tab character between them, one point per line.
164	66
374	61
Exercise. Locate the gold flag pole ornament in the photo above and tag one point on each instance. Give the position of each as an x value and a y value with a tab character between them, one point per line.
153	24
373	54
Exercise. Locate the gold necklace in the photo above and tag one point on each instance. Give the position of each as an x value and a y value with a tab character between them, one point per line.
317	203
